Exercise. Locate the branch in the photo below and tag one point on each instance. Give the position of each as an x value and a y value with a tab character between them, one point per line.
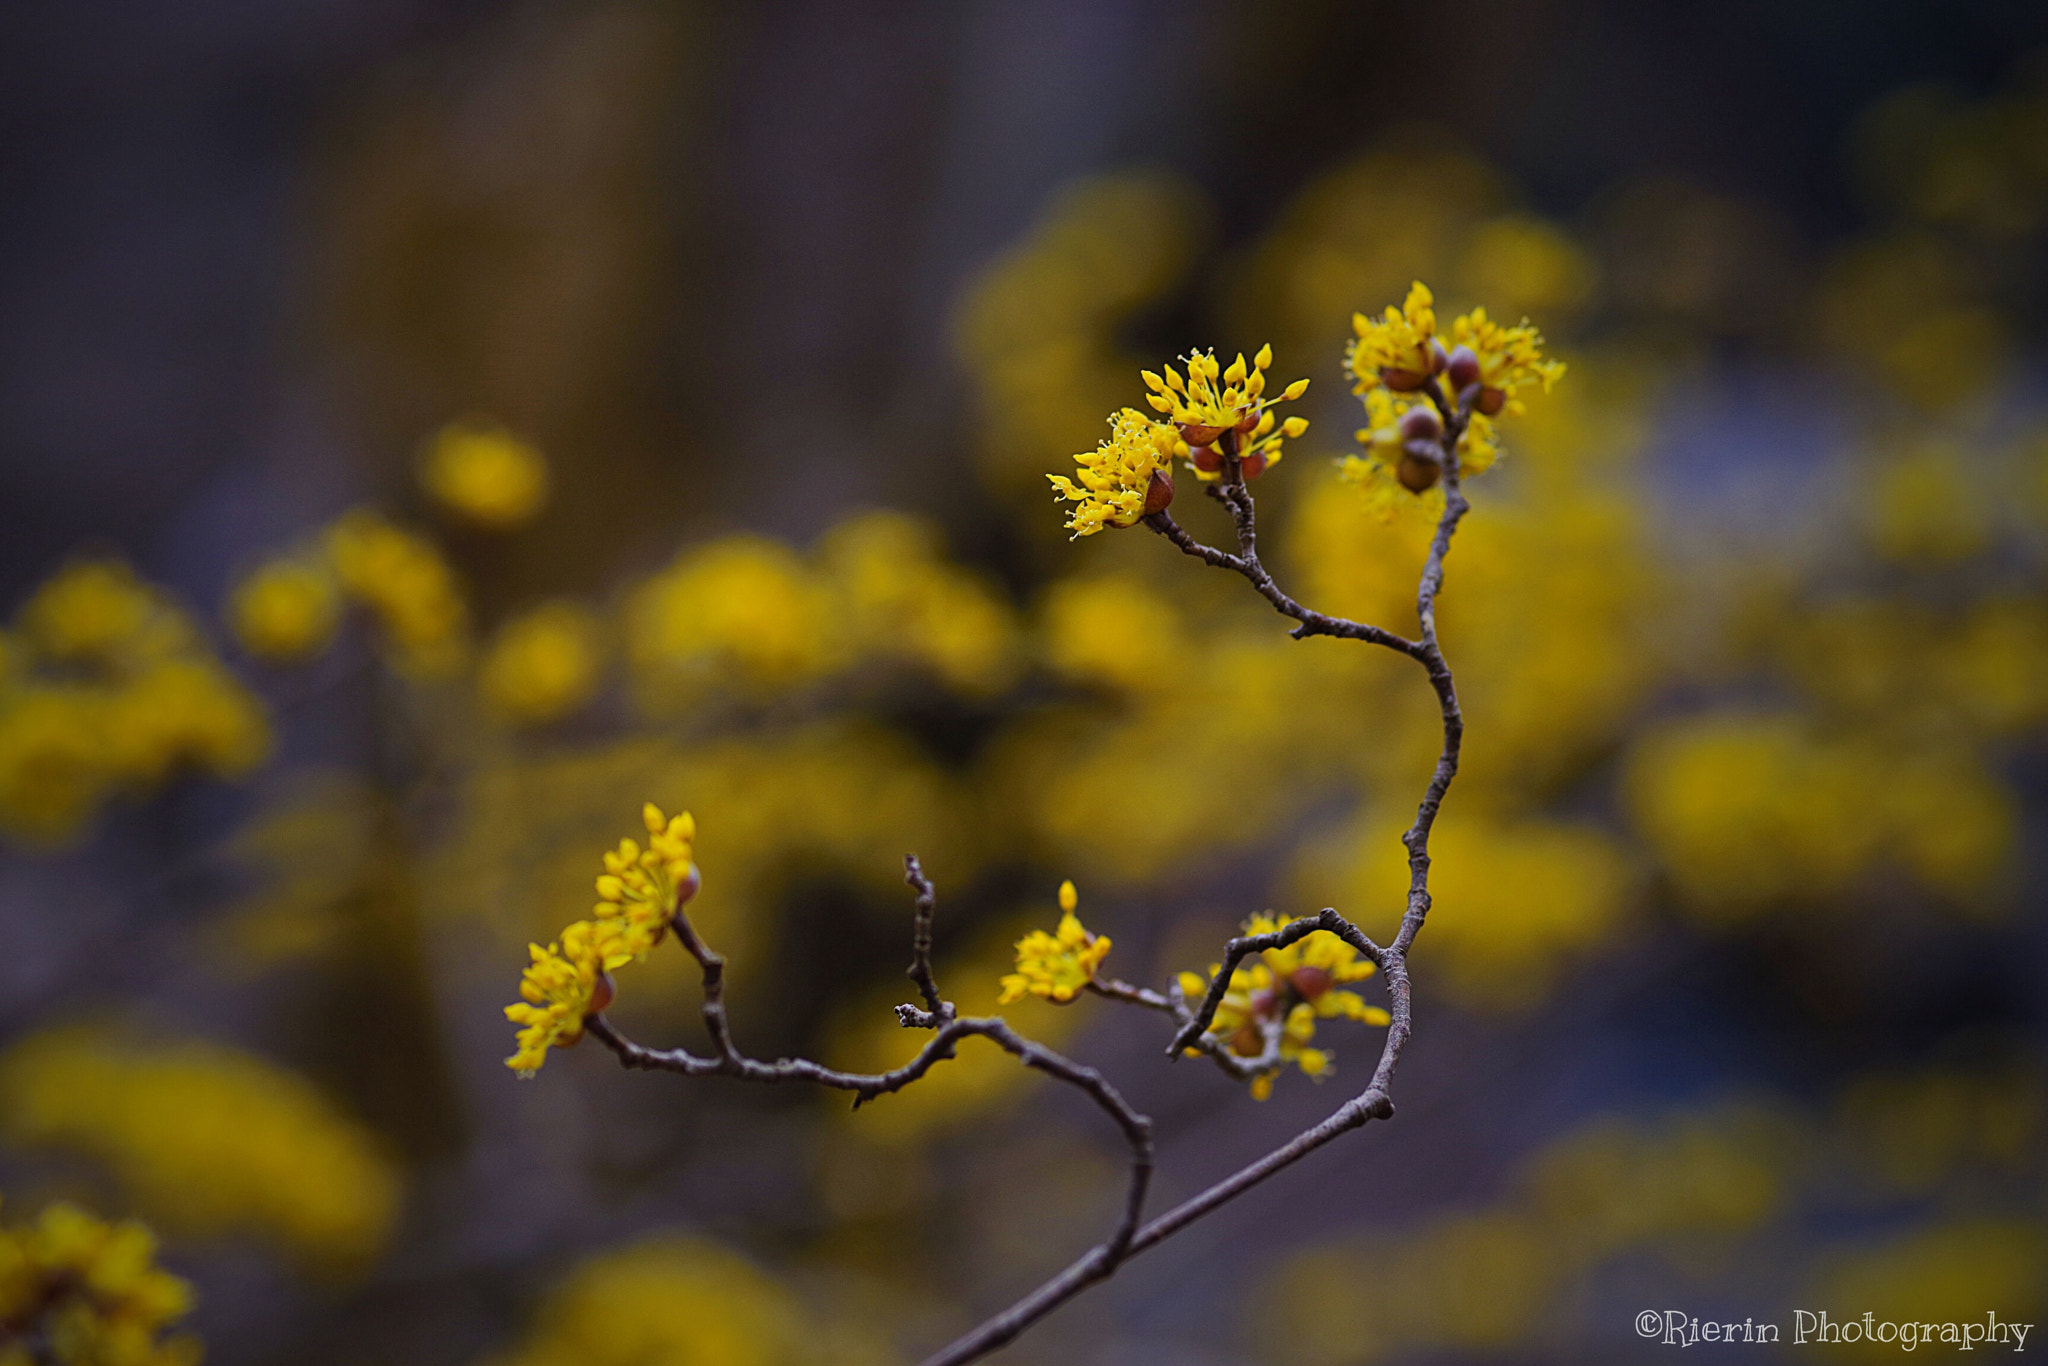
936	1011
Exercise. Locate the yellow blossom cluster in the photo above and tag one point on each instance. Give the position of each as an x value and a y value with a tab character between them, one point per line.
671	1300
208	1140
1409	380
107	687
544	664
1056	966
639	893
1126	478
1222	415
78	1291
484	474
749	615
1285	991
286	610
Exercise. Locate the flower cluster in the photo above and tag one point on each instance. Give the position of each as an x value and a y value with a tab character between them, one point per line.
485	475
407	586
640	893
78	1291
207	1139
107	686
543	665
1056	966
1126	478
1222	415
1285	991
1401	369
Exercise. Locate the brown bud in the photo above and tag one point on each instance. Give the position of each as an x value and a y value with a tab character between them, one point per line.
1249	422
1491	401
1421	424
1463	368
601	994
1438	357
687	887
1207	459
1309	982
1264	1003
1418	473
1402	381
1158	492
1247	1042
1254	464
1196	434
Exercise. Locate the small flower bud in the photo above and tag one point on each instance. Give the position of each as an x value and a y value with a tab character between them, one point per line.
1293	427
1463	368
601	994
1491	401
1254	465
1197	434
1309	982
1207	459
1418	473
1421	424
1402	381
1158	492
688	886
1438	357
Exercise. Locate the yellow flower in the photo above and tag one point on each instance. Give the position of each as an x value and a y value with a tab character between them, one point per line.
1123	479
484	474
285	610
1399	350
91	1291
564	985
403	580
1221	413
1296	986
641	890
1510	358
97	612
1056	966
543	665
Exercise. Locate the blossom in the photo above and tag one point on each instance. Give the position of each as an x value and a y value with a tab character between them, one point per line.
565	984
90	1292
1123	479
1222	414
484	474
641	890
401	577
1058	965
207	1139
1509	358
1398	351
1289	989
285	610
543	665
1394	476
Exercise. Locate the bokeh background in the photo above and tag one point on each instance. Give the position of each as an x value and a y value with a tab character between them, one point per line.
428	430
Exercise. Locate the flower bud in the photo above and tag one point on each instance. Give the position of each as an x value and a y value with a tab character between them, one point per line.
687	886
1418	473
1253	465
1402	381
601	994
1309	982
1438	357
1463	368
1207	459
1158	492
1421	423
1491	401
1196	434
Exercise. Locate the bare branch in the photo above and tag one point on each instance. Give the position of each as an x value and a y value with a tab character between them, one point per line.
936	1011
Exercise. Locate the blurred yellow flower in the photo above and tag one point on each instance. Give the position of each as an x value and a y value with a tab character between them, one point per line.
98	612
208	1139
1122	480
1118	631
544	664
484	474
406	584
1398	350
743	611
669	1301
88	1293
1056	966
1288	989
286	610
898	598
